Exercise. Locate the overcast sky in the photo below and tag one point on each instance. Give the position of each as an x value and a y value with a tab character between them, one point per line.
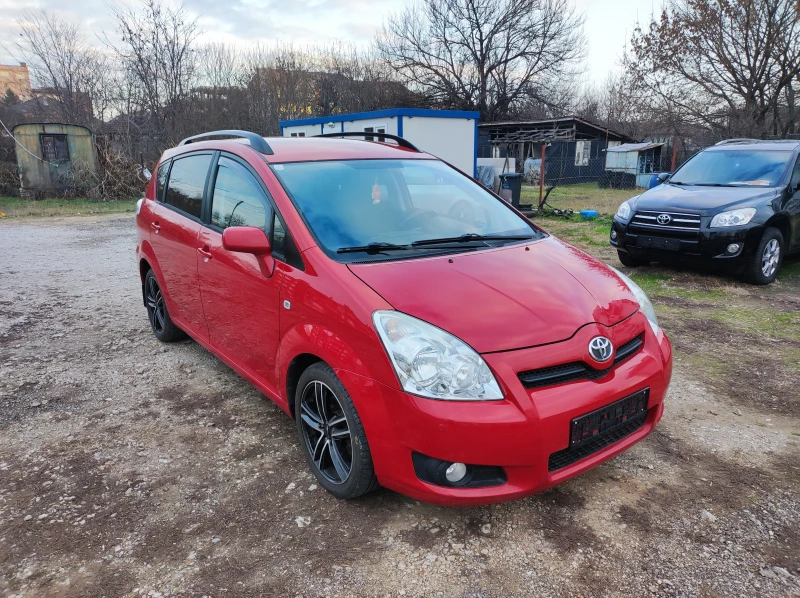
608	22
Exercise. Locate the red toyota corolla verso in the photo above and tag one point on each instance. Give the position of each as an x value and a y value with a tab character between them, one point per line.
423	334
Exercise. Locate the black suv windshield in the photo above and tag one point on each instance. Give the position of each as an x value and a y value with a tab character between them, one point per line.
761	168
398	207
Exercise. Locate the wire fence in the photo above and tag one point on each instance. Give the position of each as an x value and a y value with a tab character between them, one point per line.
589	161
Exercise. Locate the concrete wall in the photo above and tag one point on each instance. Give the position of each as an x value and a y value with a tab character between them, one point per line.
37	175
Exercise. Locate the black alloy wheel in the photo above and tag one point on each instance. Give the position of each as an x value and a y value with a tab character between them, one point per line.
331	434
160	322
326	432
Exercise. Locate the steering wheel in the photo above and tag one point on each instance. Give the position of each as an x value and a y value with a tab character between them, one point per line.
416	216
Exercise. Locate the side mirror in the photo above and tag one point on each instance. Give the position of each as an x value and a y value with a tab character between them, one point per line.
246	239
663	176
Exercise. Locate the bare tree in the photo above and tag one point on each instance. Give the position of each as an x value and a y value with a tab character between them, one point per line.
485	55
729	67
159	62
67	69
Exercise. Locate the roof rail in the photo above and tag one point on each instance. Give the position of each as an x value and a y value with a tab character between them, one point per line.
400	141
257	142
738	140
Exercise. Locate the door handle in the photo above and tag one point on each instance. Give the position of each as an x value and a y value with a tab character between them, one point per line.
156	226
204	252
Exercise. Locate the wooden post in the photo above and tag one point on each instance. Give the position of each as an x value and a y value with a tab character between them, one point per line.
541	176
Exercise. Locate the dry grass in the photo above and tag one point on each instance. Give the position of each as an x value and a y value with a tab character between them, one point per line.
13	207
585	196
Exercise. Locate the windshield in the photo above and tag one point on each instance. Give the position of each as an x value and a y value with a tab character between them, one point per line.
762	168
416	207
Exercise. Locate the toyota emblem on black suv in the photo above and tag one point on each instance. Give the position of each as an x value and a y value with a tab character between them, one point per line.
601	349
663	219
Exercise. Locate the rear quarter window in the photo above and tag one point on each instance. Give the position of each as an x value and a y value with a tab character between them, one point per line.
161	179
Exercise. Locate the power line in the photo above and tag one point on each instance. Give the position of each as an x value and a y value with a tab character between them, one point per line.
25	148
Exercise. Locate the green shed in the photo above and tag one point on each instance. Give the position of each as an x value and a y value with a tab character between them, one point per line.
58	157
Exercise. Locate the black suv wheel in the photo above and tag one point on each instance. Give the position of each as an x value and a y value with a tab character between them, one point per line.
766	261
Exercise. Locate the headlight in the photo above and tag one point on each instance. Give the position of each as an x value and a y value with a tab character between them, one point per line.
733	218
139	206
432	363
641	298
624	210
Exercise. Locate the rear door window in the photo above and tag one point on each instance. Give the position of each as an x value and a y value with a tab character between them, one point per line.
238	199
187	180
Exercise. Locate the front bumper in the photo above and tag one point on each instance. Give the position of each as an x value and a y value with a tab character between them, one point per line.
707	244
518	433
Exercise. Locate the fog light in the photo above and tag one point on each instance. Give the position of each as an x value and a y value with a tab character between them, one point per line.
733	248
455	473
613	234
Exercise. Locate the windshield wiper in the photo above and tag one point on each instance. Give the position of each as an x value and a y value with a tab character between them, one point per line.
699	184
374	248
472	237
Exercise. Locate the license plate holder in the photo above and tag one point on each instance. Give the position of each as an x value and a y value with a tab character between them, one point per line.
608	418
663	243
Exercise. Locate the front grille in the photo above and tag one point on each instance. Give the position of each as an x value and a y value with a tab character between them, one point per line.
682	226
577	370
575	453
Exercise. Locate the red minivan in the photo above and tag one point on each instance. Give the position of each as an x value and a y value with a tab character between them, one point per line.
423	334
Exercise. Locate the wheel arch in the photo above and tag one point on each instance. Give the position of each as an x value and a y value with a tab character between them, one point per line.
299	364
781	222
307	343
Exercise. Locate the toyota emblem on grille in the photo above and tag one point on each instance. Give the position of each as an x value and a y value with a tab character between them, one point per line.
601	349
663	219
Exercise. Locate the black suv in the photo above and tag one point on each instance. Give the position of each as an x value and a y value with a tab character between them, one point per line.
736	204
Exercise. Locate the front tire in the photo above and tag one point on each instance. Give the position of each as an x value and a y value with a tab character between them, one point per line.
331	434
628	260
766	261
160	322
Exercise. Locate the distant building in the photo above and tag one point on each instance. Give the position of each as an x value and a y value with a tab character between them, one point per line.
57	155
451	135
17	79
641	160
574	148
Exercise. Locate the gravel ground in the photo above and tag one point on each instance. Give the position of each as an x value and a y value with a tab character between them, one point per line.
129	468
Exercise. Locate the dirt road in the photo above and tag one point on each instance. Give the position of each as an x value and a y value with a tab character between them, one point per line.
128	467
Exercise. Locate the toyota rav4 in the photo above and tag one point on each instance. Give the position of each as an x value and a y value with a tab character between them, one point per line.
736	204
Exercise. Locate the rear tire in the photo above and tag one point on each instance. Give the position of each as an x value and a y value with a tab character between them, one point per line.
628	260
766	261
331	434
160	322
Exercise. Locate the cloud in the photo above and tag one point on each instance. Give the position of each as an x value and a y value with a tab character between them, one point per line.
243	21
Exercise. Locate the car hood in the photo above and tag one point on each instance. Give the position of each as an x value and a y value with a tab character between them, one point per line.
505	298
700	200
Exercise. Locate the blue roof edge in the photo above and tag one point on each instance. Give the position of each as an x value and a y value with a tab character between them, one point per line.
391	112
